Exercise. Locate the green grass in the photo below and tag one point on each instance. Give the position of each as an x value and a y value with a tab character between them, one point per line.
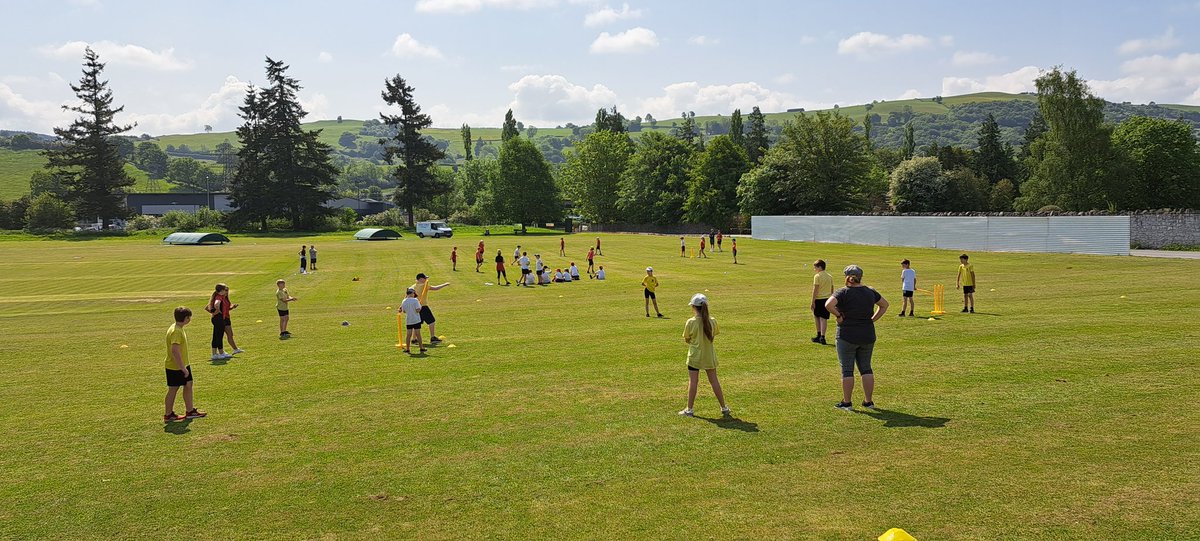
1059	411
16	166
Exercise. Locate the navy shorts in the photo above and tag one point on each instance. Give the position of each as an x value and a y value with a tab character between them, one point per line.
650	294
416	325
908	293
282	313
819	309
967	290
175	378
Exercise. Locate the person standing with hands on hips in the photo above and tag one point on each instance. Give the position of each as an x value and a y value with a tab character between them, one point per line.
856	308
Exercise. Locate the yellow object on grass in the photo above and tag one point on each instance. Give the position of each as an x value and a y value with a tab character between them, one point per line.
896	534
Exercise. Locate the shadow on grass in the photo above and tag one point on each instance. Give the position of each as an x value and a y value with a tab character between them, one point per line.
897	419
218	362
984	314
178	427
731	423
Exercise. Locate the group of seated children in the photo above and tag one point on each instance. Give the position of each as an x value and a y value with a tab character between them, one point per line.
562	275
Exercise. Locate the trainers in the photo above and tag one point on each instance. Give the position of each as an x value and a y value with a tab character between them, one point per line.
972	310
910	314
195	414
434	341
687	412
822	340
236	351
901	314
964	310
219	357
816	339
868	405
171	417
844	406
726	411
660	314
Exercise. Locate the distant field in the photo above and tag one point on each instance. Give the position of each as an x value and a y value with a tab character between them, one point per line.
1058	412
17	166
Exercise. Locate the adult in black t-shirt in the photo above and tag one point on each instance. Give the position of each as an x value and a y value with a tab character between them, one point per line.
857	308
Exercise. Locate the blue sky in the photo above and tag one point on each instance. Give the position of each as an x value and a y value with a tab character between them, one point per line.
179	66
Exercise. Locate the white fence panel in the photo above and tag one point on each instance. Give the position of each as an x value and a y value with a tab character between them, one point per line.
1069	234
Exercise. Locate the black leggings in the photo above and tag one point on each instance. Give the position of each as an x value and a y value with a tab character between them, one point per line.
219	323
500	273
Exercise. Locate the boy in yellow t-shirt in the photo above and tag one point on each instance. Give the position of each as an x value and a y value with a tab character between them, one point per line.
179	373
821	291
649	284
966	280
282	301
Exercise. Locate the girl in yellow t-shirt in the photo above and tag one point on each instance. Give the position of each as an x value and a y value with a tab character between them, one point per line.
698	333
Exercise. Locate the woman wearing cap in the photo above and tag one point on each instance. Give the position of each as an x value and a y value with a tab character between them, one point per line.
856	308
698	334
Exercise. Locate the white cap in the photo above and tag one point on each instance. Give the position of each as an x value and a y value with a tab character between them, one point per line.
649	269
699	300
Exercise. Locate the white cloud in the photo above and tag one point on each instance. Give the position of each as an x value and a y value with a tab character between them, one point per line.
1155	78
547	100
407	46
867	45
1158	43
324	57
910	94
785	78
117	54
713	99
703	40
608	15
20	113
946	41
966	59
219	109
1013	82
445	116
460	7
630	41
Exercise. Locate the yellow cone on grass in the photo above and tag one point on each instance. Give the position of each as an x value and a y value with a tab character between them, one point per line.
124	346
896	534
259	321
451	346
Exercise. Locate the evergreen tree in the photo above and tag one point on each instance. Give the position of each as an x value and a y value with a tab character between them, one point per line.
756	140
466	141
992	160
737	133
415	180
510	129
283	171
687	132
866	124
910	142
87	158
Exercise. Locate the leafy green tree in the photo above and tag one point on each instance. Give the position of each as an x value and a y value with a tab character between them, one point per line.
87	157
48	212
348	140
1073	165
593	171
415	179
687	132
474	176
1002	195
41	182
509	130
866	124
713	180
524	191
910	142
465	131
12	213
447	203
917	185
819	165
188	172
654	185
1164	163
965	191
993	160
737	132
611	121
283	171
149	157
756	141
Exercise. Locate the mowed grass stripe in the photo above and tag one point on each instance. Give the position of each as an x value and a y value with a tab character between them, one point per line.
554	416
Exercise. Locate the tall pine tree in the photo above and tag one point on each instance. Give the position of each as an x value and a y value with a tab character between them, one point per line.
992	160
283	171
756	140
510	127
736	131
466	140
87	159
416	182
910	142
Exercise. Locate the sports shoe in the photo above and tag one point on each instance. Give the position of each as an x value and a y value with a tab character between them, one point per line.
844	406
964	310
868	405
910	314
972	310
726	411
236	351
219	357
816	339
286	332
660	314
901	314
687	412
434	341
822	340
647	314
171	418
195	414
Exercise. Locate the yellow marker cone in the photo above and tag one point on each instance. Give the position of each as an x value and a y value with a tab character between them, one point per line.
1122	296
896	534
388	308
442	337
124	346
932	319
259	321
478	300
451	346
993	289
560	296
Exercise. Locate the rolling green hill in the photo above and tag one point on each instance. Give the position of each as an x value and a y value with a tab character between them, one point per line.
16	166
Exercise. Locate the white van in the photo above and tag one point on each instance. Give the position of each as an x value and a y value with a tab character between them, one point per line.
433	229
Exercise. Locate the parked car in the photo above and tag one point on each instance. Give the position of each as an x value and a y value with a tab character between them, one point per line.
433	229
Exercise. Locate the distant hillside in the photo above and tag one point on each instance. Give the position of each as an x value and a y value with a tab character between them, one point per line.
952	120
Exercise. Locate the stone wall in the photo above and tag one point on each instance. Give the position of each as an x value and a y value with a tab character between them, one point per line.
1158	230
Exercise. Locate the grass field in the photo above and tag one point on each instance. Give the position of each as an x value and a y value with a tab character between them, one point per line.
16	166
1058	411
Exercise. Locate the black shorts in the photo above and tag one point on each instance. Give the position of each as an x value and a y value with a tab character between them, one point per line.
908	293
312	261
649	294
819	309
282	313
525	271
690	369
967	290
414	326
175	377
427	315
